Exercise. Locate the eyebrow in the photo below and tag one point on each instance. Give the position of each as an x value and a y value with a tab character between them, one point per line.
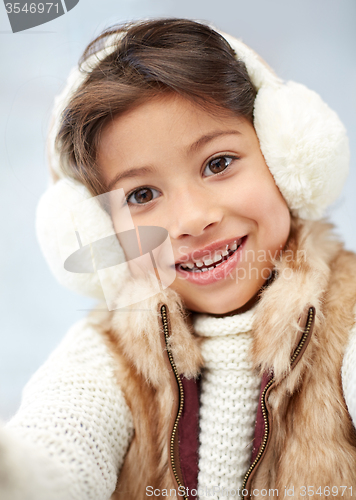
209	137
132	172
136	172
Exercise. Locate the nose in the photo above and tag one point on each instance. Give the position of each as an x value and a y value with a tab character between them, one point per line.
192	212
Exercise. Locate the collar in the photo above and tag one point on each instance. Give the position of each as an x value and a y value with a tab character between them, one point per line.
206	325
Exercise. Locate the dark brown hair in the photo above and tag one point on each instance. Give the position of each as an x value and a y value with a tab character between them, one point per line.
149	58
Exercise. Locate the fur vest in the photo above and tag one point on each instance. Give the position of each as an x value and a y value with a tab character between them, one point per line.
304	436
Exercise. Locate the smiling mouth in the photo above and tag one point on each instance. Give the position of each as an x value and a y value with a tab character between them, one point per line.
206	264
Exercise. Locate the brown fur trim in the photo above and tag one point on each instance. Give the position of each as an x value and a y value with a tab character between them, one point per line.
138	332
146	463
302	278
313	442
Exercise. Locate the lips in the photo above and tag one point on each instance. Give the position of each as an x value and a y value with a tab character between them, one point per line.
217	271
209	258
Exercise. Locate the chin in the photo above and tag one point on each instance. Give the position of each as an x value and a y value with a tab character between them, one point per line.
223	301
216	307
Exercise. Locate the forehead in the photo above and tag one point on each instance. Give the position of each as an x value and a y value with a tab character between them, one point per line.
169	119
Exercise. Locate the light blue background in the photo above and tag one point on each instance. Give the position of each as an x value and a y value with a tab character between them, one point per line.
311	41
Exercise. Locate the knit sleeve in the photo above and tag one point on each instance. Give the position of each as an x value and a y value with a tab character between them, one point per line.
71	433
348	373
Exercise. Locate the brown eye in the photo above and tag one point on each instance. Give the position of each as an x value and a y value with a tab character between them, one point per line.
218	165
141	196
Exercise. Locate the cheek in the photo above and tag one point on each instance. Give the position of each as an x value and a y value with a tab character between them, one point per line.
256	197
274	221
260	201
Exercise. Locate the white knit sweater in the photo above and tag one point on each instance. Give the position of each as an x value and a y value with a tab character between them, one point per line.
73	428
229	400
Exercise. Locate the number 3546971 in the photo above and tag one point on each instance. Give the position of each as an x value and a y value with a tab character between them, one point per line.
31	8
327	491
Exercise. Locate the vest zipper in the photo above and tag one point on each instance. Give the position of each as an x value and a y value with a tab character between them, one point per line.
304	336
265	437
263	397
174	435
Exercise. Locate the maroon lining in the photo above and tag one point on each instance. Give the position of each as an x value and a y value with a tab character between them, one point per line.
260	423
188	431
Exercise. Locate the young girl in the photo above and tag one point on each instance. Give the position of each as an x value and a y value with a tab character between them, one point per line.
219	364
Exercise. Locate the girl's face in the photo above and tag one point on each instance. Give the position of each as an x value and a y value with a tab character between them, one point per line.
203	178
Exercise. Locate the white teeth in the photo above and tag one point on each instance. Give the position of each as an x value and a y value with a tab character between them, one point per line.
217	258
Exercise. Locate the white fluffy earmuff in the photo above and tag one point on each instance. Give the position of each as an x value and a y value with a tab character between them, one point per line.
303	141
